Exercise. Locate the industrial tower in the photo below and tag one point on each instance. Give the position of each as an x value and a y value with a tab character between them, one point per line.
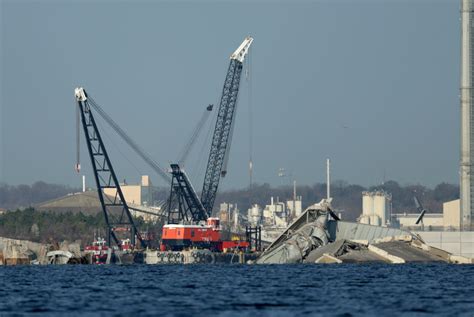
467	117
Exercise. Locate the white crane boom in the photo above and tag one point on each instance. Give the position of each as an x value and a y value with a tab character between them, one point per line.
242	50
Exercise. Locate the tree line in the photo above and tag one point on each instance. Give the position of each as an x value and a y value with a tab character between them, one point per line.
23	196
52	227
346	197
49	227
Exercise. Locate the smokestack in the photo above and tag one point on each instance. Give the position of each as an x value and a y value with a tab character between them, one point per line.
83	183
466	177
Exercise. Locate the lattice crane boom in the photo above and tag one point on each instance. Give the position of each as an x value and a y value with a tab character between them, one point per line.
222	137
116	212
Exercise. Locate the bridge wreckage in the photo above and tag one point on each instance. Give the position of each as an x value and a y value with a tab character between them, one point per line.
318	236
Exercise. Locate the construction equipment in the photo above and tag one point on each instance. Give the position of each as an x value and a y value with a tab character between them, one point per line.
222	138
189	218
189	207
117	215
420	209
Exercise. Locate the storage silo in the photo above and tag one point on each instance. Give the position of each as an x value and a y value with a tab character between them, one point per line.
365	219
367	203
375	220
382	204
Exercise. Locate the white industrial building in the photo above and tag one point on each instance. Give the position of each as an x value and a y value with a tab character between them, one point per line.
431	221
254	215
276	214
230	216
140	194
376	208
449	220
295	206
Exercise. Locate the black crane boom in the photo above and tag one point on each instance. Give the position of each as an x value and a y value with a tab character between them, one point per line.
222	137
116	212
184	205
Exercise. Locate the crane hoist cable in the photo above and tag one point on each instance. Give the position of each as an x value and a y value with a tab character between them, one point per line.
197	170
248	77
146	157
117	148
78	139
196	131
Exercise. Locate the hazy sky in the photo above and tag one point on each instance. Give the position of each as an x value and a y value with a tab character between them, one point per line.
373	85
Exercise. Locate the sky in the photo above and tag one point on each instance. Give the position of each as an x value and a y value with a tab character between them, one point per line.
372	85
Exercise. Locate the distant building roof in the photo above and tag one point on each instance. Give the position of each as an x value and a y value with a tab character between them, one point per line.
87	202
411	215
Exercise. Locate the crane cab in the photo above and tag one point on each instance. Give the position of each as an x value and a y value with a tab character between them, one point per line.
176	237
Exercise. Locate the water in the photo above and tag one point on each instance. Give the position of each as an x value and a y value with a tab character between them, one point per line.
243	290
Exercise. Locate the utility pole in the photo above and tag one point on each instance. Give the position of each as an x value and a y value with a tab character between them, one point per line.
328	178
250	173
294	199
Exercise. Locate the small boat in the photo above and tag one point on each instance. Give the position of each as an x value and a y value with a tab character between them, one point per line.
126	246
98	251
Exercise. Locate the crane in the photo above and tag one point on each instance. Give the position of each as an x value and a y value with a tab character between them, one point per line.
181	206
185	210
222	137
117	215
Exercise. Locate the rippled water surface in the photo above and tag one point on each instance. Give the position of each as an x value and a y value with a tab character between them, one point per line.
245	290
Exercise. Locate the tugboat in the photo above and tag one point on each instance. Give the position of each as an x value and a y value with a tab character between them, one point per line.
98	251
126	246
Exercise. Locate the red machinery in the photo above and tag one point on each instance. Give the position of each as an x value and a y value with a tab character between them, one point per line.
177	237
